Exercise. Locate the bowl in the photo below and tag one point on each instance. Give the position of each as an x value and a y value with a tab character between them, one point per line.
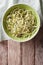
22	6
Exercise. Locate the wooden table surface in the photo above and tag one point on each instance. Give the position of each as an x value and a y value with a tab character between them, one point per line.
27	53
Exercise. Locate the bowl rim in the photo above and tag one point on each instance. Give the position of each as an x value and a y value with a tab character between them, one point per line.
27	39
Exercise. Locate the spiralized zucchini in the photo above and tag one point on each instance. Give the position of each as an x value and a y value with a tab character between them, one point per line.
21	23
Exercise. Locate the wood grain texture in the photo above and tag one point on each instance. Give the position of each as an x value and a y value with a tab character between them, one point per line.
14	53
3	53
28	53
20	53
39	48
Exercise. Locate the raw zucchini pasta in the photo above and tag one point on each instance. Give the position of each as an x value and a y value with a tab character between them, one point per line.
21	23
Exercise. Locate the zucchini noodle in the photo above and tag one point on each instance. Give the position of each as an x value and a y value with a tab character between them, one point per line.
21	23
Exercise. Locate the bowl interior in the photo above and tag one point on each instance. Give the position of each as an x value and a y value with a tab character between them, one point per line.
22	6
